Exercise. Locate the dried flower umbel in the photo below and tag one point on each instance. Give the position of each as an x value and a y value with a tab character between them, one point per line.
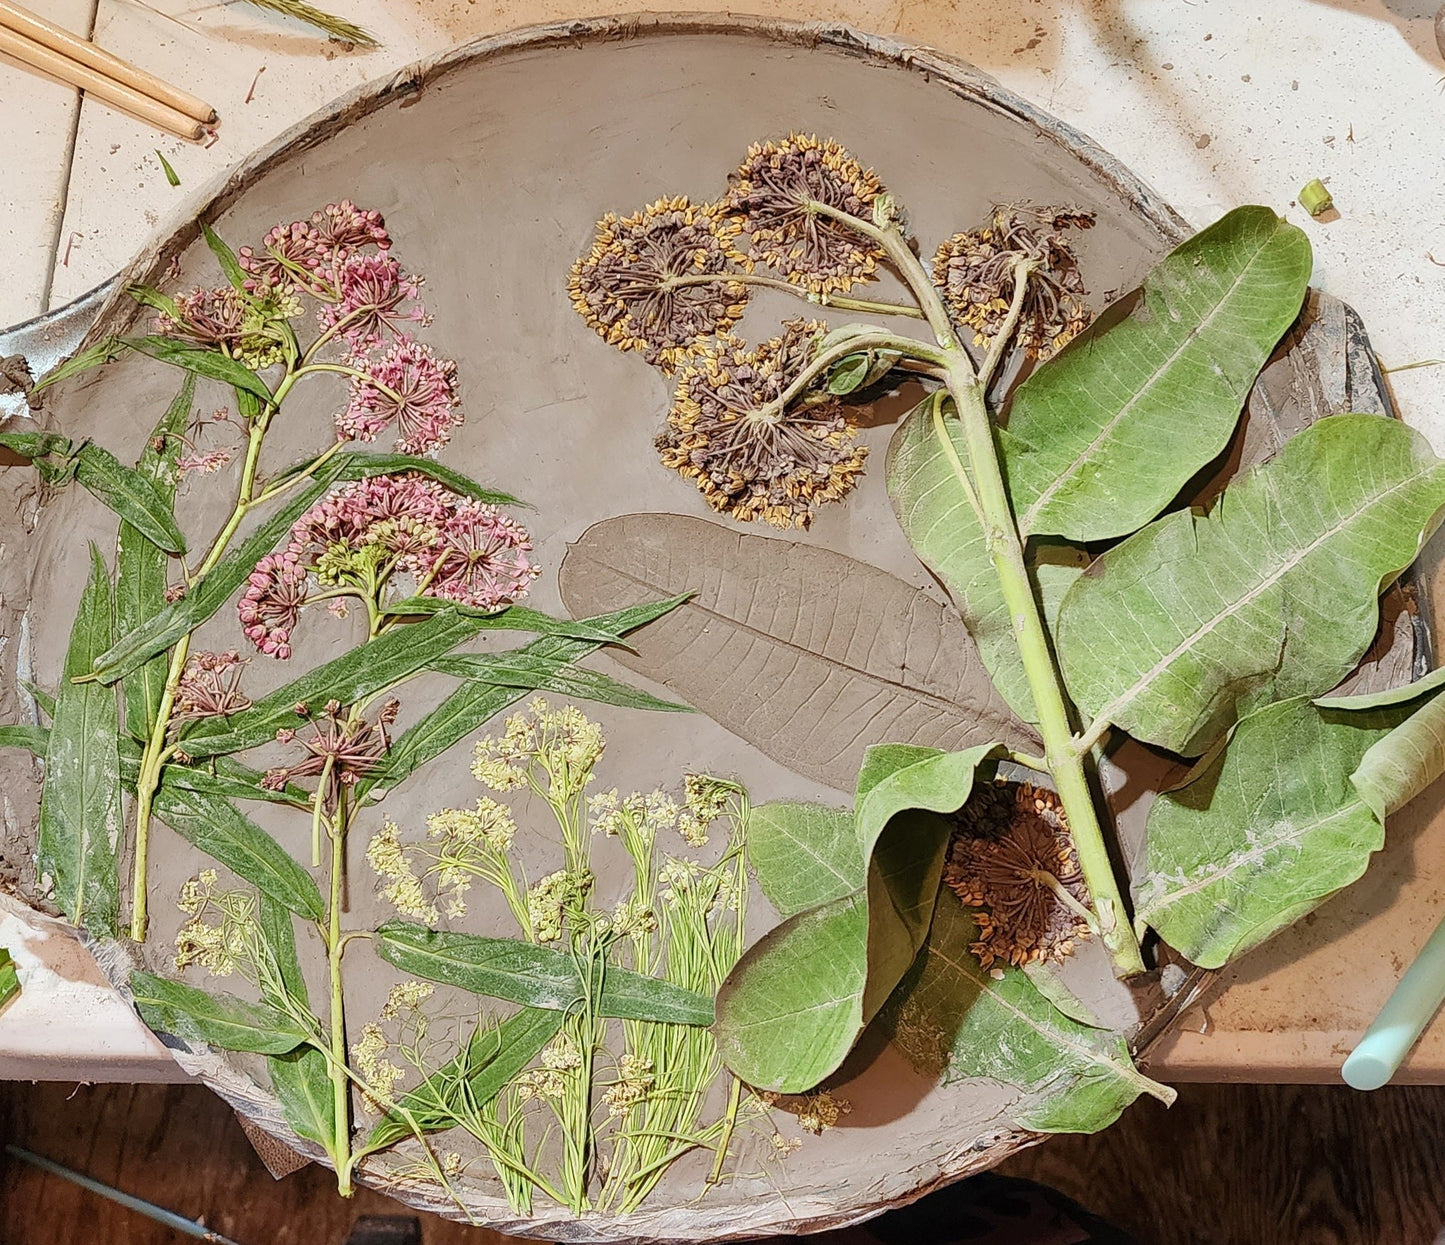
752	452
976	271
658	281
774	193
1012	858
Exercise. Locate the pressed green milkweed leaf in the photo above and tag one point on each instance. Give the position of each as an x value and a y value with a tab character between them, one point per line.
1273	594
300	1078
225	257
130	494
513	618
220	830
792	1008
206	595
353	465
104	351
149	296
1104	436
1271	825
534	975
36	444
141	566
952	1018
220	1020
209	363
80	802
34	739
372	667
473	704
493	1056
804	854
562	678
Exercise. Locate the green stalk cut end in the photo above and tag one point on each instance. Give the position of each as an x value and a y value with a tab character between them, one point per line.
1314	198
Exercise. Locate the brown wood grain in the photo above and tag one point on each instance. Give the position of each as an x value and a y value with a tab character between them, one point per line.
1227	1165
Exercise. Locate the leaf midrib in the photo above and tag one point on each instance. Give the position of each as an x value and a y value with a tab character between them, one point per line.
1026	523
1108	711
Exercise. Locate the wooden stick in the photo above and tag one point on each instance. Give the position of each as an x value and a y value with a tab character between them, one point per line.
33	26
95	83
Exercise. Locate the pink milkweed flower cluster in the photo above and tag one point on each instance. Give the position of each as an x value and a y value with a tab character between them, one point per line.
307	253
361	534
406	387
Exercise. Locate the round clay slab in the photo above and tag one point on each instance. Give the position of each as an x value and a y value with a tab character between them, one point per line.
491	165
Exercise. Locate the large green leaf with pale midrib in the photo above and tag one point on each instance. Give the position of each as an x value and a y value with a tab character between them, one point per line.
1104	436
796	1002
1288	813
80	802
955	1020
1196	619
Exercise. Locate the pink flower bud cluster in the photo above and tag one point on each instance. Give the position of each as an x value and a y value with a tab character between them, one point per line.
406	387
453	547
373	297
308	252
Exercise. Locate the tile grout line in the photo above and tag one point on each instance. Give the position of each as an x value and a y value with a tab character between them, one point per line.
69	157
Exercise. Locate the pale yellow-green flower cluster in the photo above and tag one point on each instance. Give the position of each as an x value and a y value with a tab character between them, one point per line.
564	744
368	1054
550	1080
386	854
635	1079
222	934
551	900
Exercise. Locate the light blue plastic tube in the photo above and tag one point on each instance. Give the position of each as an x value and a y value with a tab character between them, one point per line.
1397	1028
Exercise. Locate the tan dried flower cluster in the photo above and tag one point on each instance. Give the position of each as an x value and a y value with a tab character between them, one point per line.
1010	858
222	935
752	455
774	191
388	857
656	281
564	743
634	1081
975	273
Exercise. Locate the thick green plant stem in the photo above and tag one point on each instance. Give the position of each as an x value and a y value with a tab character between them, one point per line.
1064	764
153	758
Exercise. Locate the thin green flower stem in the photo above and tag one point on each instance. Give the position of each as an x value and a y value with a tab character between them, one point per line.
960	473
909	267
1045	878
335	946
328	334
1028	761
153	757
356	373
998	348
839	301
291	481
730	1121
316	805
1064	763
820	363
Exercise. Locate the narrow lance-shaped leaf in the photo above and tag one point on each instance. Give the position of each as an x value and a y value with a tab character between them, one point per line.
220	830
1274	594
1282	817
513	618
353	465
206	595
80	802
466	1083
533	975
300	1079
220	1020
1104	436
34	739
531	673
141	565
954	1019
474	704
792	1008
132	495
209	363
373	667
104	351
225	257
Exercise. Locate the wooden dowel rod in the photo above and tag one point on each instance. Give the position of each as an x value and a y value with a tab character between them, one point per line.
93	82
33	26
